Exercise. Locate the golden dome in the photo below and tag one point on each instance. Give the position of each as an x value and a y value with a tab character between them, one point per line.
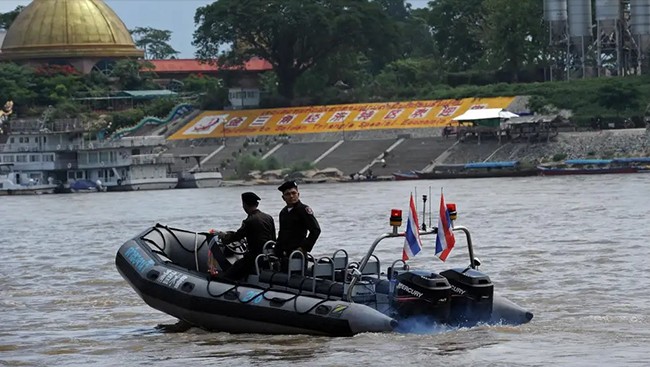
67	29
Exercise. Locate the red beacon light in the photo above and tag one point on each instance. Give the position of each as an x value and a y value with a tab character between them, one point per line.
451	208
395	217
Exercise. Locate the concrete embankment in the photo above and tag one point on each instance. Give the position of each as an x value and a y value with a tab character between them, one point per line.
586	144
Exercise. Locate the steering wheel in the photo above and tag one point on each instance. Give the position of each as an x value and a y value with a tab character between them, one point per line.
238	247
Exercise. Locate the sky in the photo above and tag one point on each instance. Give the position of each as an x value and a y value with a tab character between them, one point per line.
174	15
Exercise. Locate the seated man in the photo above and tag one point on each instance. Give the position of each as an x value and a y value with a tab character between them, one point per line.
257	228
296	221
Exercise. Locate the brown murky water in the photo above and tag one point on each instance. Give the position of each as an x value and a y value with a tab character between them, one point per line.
572	249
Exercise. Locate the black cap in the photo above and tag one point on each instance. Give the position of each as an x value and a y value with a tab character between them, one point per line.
250	198
288	185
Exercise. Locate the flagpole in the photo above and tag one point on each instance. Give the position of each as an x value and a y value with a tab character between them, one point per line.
430	210
416	198
424	212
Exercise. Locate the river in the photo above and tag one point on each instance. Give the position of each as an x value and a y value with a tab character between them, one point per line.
573	250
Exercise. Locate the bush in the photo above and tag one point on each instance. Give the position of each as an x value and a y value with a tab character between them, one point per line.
559	157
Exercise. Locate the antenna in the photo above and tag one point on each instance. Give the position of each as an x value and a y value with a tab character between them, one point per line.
430	210
424	212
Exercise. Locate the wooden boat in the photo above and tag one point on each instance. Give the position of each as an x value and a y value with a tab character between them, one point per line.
478	170
401	176
588	167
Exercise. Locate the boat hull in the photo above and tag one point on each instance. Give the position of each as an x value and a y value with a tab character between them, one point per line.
137	185
199	180
223	306
495	173
585	171
167	267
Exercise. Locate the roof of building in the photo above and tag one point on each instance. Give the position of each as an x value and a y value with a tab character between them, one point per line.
196	66
147	94
485	114
67	28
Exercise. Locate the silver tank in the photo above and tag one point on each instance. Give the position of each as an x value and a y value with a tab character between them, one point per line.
607	13
640	17
555	10
608	9
579	12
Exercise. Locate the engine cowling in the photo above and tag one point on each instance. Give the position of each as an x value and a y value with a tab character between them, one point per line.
421	294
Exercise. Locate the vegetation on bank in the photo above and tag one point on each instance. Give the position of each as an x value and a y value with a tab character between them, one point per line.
348	51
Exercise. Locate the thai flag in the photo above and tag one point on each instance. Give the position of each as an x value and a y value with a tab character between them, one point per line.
412	243
445	239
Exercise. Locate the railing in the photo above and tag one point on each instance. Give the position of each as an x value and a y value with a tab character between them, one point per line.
31	126
128	142
152	159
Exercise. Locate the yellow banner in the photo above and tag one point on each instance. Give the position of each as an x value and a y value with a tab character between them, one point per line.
335	118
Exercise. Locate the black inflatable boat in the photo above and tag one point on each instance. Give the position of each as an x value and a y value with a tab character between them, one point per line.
331	296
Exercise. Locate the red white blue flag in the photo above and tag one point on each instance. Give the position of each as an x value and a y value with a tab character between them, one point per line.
412	243
445	239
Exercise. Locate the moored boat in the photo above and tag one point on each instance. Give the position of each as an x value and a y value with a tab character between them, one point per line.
478	170
586	167
329	296
13	182
401	176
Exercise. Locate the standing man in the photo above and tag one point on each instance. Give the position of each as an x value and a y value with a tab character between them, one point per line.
296	221
257	228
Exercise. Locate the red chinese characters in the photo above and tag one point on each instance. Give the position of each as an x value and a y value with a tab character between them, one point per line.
235	122
420	113
448	111
393	114
287	119
313	118
339	116
261	120
365	115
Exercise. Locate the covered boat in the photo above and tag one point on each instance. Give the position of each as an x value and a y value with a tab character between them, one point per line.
590	167
478	170
330	296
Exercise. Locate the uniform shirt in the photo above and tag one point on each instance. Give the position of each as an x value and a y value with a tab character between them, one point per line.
294	223
257	228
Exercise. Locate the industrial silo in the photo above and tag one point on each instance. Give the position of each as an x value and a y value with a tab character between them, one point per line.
580	31
608	13
608	41
579	12
555	12
640	26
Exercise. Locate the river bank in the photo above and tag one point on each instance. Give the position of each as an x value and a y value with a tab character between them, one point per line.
588	144
603	144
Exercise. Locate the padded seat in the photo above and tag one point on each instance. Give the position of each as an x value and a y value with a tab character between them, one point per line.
322	286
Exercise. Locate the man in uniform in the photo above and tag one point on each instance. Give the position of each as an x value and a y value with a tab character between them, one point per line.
257	228
296	221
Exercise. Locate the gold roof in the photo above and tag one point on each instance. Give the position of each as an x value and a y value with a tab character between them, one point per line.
67	29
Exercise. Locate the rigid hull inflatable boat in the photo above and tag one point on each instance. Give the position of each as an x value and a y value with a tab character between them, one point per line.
332	296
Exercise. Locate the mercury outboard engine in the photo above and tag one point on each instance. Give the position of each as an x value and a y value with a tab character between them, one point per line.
472	296
420	294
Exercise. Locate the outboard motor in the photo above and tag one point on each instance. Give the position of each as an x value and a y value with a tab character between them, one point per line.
420	294
472	296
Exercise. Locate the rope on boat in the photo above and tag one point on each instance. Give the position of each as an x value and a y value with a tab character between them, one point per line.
264	291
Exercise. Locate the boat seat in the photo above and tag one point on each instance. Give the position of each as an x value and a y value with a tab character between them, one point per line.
322	268
373	267
340	260
296	263
322	286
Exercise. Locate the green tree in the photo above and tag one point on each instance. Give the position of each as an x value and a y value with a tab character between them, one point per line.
293	35
17	83
456	27
213	95
154	42
134	75
618	97
6	19
513	34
